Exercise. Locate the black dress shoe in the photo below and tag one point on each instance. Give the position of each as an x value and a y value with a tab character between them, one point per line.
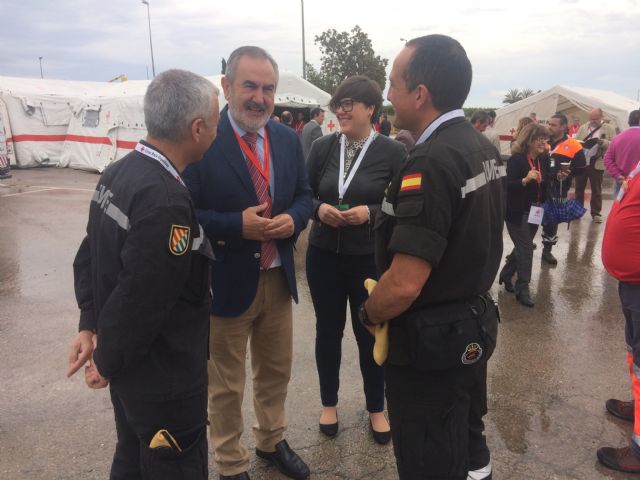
381	438
329	429
287	461
508	286
621	409
238	476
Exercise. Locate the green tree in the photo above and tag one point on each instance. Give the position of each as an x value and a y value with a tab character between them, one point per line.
345	54
514	95
526	92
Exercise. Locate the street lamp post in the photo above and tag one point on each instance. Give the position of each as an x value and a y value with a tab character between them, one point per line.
304	61
40	59
153	65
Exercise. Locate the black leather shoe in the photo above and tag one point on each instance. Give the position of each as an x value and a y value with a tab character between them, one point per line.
621	459
621	409
239	476
508	286
548	257
329	429
287	461
524	297
381	438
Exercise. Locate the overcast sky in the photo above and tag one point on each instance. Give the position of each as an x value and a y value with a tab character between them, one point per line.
538	44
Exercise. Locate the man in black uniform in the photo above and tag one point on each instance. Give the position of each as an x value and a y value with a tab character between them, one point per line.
142	285
439	243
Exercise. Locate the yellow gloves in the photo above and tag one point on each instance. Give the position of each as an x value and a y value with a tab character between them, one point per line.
381	347
163	439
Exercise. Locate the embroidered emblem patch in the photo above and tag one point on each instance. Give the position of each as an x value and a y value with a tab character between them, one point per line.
179	239
472	354
411	182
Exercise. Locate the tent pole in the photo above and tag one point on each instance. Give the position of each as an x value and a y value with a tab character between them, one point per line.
304	61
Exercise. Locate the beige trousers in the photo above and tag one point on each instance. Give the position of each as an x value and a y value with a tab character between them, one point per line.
267	327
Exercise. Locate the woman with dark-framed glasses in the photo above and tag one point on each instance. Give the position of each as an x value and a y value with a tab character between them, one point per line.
526	182
348	172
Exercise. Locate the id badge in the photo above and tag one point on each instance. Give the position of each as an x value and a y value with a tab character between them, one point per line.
535	215
343	207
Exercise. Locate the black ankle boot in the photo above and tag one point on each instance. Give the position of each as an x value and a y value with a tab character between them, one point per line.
506	281
524	297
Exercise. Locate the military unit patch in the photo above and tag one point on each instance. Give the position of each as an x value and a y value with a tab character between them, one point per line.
411	182
179	239
472	354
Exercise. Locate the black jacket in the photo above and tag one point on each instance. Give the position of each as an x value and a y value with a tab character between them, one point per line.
380	164
142	284
520	197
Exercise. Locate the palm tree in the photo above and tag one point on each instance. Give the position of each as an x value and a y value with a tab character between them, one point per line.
526	92
513	95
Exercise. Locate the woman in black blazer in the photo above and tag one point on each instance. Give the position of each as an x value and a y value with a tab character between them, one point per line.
526	177
348	173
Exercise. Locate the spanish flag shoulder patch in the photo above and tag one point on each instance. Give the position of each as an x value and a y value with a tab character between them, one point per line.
179	239
411	182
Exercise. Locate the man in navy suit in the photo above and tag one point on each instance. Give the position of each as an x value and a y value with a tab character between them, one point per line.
252	198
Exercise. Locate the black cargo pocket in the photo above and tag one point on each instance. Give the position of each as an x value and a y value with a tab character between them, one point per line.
168	464
452	339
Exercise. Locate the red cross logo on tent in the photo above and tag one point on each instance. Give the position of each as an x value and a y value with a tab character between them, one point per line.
331	125
512	131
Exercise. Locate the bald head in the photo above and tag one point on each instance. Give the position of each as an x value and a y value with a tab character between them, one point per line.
595	116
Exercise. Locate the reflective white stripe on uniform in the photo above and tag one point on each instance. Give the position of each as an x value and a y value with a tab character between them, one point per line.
492	171
388	208
102	197
121	219
480	474
199	240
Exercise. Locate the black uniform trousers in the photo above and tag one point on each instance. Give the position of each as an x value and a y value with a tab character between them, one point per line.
436	420
333	278
138	421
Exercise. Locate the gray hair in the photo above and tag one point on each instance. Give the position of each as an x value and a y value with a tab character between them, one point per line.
174	99
248	51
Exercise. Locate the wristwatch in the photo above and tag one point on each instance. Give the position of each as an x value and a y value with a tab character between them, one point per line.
364	317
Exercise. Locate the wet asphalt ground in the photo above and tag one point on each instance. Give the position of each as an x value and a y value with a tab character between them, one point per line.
553	369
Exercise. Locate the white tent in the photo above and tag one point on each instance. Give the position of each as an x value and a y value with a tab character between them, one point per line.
570	101
88	125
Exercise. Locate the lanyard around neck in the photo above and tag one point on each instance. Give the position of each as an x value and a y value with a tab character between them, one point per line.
343	183
265	170
437	122
161	159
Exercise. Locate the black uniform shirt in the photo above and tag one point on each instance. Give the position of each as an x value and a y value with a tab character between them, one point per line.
446	206
141	283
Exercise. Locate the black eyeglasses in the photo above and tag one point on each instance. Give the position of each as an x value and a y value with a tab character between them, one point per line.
346	105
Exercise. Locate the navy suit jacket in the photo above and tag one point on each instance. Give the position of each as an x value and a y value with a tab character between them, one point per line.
221	188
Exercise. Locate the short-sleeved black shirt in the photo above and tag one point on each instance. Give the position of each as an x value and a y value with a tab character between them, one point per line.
446	206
